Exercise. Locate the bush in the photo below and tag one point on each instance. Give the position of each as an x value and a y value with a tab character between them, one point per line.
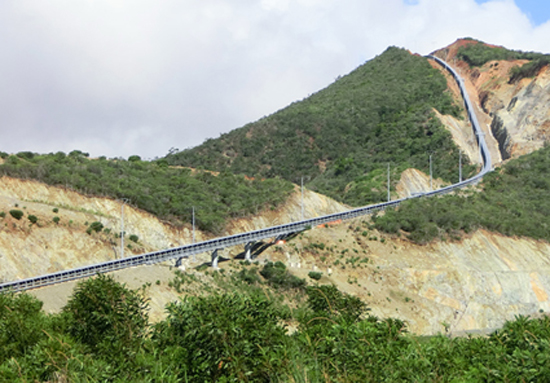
26	155
133	238
96	226
56	220
2	214
32	218
107	317
22	323
17	214
278	276
249	276
381	111
513	202
226	338
527	70
315	275
55	210
154	188
329	301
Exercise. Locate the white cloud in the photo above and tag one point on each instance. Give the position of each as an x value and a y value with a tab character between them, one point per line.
138	77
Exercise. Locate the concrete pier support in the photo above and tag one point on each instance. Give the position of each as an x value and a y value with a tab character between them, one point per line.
215	259
248	251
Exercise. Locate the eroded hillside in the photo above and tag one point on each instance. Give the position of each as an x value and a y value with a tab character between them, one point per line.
473	284
513	113
44	247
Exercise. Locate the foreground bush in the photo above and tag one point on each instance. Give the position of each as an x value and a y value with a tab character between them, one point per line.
107	317
242	336
228	337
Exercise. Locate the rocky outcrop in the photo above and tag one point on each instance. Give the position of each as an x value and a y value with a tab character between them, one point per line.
463	136
525	121
502	136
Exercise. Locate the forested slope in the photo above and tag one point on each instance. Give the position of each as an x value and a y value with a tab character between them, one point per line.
342	137
513	200
169	193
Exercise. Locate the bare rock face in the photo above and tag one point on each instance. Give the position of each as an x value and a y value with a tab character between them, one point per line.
523	126
471	285
515	116
478	283
413	182
463	136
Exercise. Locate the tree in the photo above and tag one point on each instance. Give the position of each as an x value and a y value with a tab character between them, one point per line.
107	317
17	214
22	324
230	337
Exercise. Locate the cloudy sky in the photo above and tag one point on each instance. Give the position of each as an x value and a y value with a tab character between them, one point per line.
123	77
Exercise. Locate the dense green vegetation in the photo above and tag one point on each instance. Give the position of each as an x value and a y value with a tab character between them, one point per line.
513	201
342	137
169	193
478	54
240	335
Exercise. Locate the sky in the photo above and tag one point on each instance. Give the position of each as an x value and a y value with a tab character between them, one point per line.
138	77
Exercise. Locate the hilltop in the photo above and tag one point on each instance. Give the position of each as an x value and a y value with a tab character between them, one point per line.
342	138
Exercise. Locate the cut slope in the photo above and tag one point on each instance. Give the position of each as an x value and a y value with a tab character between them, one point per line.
512	91
28	250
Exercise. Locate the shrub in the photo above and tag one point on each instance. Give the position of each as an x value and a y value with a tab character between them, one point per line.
22	323
224	338
56	219
134	238
278	276
153	188
96	226
329	301
17	214
381	110
2	214
249	276
107	316
315	275
26	155
32	218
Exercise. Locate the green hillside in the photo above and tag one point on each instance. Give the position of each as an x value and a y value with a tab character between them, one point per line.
513	201
169	193
342	137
